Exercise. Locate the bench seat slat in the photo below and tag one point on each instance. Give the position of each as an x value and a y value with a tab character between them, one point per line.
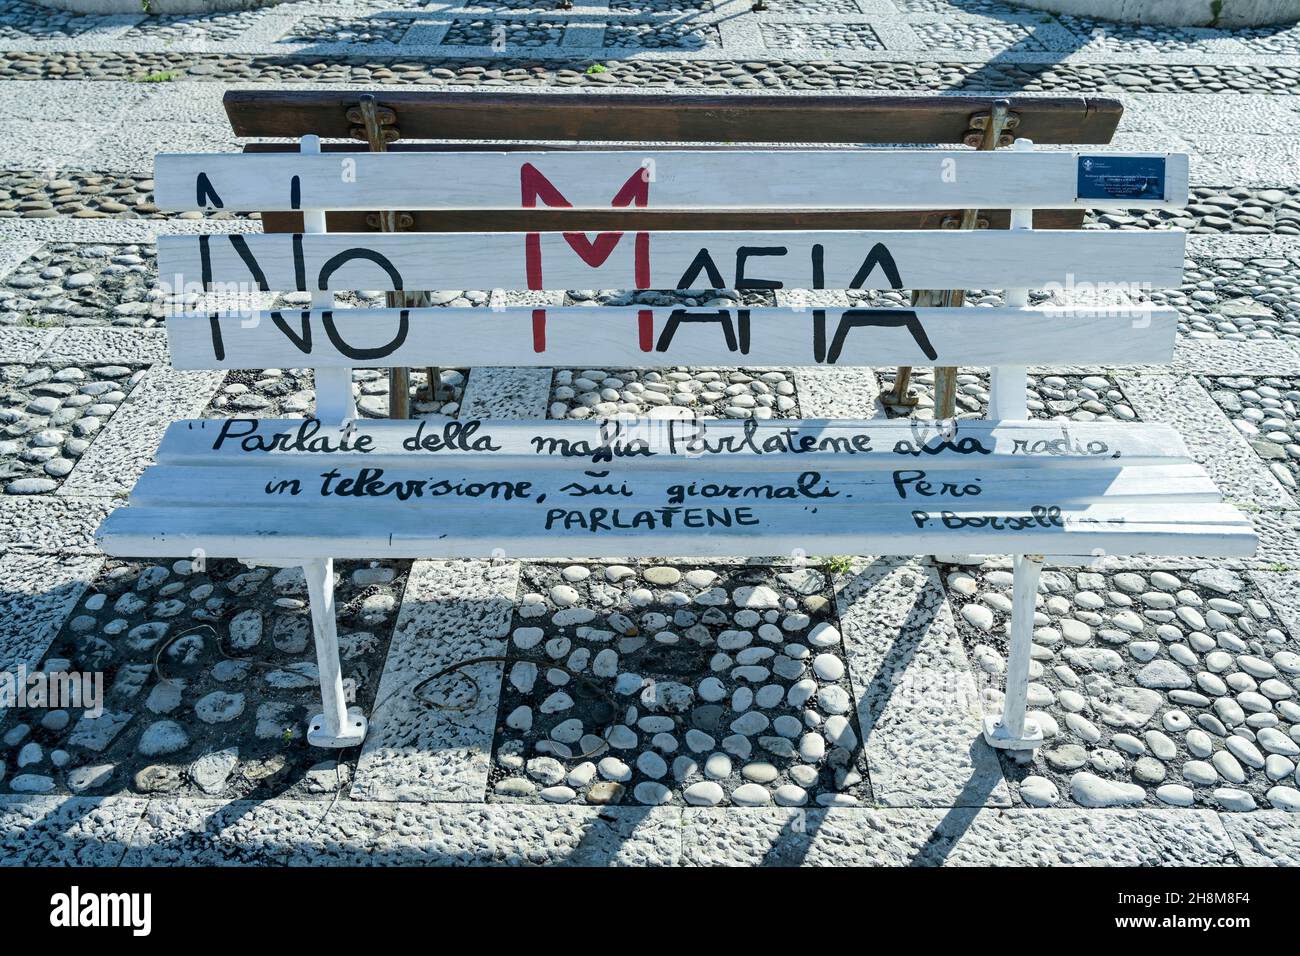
1046	487
647	337
933	259
404	531
848	178
179	485
694	446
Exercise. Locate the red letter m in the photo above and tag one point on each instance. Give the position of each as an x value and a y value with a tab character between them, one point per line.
634	192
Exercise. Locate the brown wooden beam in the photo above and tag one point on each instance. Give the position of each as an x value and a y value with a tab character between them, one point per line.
673	117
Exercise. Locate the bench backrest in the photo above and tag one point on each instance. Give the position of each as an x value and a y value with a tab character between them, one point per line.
397	120
848	179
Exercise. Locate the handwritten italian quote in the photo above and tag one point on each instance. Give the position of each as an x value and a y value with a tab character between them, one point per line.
634	475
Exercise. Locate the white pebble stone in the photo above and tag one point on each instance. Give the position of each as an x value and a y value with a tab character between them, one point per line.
564	596
521	719
979	616
651	764
698	741
1176	794
605	663
664	743
581	775
788	795
751	795
812	747
621	737
800	692
1039	792
834	699
556	702
706	793
567	731
717	767
651	793
611	768
824	635
528	637
828	667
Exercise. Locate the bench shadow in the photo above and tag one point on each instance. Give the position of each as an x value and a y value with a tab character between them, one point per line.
968	804
794	842
64	810
1004	71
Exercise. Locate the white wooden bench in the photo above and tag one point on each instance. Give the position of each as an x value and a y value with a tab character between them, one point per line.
304	492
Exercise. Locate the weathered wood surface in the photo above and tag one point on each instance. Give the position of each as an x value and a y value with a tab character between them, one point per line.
654	337
810	179
671	117
632	220
903	259
642	488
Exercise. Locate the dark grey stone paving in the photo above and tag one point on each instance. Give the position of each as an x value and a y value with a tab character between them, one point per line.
346	30
49	417
662	36
1078	398
289	393
82	284
984	36
1265	411
193	27
532	6
843	73
1157	688
209	678
1236	298
657	684
485	32
1215	209
673	393
1284	40
659	6
960	7
1107	36
27	21
820	36
34	195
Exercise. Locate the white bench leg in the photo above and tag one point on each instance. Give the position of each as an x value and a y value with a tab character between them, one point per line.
1012	731
337	725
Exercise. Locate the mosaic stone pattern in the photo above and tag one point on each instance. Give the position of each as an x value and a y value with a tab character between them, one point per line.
663	685
1153	688
504	33
82	284
49	417
340	30
978	35
662	36
822	36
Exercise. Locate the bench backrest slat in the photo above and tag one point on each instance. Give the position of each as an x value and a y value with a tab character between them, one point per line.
670	117
680	179
588	189
642	337
908	259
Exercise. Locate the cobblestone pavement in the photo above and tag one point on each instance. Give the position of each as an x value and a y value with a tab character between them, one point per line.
674	711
